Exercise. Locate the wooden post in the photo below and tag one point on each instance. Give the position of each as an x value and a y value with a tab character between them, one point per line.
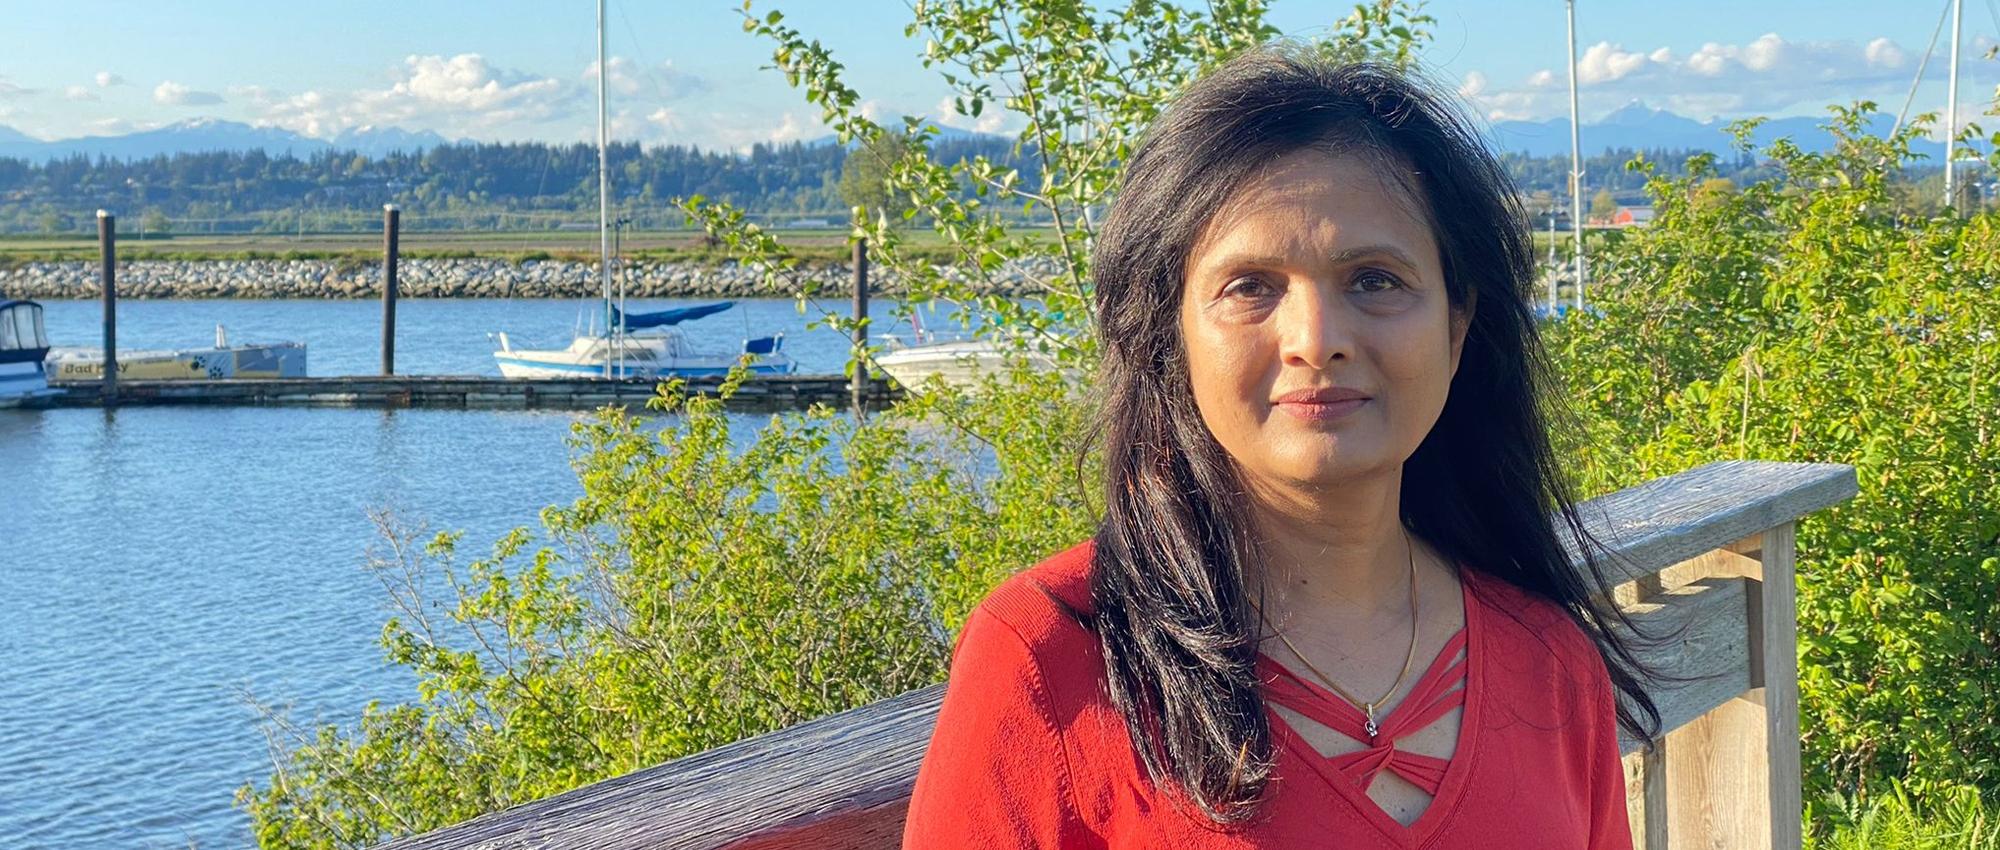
391	219
1730	778
1774	641
107	251
858	384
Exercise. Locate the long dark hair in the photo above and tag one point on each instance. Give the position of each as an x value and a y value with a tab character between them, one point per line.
1168	586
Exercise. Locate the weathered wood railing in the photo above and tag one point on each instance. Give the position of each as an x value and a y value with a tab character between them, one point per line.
1711	548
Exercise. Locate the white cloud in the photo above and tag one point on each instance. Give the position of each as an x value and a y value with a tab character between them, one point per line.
120	126
1765	53
1883	53
1711	59
106	79
660	82
734	131
174	94
622	81
1767	75
991	119
79	93
1604	62
1475	83
459	96
11	89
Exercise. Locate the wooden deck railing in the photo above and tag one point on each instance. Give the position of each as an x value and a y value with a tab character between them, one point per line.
1711	548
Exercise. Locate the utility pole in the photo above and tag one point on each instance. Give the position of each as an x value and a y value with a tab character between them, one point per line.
1575	158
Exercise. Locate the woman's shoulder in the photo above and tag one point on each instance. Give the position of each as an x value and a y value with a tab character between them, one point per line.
1523	625
1030	606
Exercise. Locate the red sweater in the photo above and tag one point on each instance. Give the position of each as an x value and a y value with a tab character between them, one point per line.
1029	752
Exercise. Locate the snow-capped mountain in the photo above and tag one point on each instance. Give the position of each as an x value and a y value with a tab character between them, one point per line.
200	135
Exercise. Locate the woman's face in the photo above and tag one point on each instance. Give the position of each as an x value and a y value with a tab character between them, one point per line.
1319	274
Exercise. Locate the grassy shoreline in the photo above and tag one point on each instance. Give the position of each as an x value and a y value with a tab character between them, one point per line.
812	245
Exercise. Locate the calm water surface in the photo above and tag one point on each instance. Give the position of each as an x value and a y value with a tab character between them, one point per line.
162	561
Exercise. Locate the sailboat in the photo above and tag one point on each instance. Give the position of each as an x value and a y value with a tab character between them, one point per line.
660	350
664	352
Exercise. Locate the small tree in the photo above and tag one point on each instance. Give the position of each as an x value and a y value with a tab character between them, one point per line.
1603	206
864	175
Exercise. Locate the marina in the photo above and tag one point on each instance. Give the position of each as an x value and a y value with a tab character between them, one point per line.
764	393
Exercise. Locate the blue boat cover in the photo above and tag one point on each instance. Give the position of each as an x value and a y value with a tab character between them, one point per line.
667	317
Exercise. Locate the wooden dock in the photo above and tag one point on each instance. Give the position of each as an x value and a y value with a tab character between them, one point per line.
756	395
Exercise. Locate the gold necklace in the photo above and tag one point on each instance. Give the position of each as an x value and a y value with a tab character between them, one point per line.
1369	707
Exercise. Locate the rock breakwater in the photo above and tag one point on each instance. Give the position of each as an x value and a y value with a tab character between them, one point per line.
459	278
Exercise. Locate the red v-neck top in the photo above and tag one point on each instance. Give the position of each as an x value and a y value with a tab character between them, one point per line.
1028	751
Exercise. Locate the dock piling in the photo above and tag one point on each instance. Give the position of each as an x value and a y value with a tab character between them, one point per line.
858	384
391	221
107	250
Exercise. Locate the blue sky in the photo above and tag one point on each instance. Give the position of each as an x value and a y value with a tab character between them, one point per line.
685	72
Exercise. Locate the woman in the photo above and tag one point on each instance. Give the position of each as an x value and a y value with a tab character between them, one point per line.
1328	605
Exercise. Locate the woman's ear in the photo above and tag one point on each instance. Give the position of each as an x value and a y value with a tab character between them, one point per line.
1461	321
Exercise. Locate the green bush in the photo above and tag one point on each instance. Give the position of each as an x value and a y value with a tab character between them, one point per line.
1894	821
697	593
1810	318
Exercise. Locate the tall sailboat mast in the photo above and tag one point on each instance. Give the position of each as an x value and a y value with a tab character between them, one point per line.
1575	158
604	193
1951	111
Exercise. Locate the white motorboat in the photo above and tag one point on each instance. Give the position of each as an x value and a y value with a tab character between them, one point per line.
24	344
658	351
958	358
246	360
960	362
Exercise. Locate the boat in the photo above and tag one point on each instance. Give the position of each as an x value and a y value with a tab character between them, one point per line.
249	360
958	358
24	344
617	352
659	350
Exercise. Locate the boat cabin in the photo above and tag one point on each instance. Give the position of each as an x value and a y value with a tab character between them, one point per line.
24	344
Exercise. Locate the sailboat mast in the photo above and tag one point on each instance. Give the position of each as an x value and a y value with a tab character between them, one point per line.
603	189
1575	158
1951	111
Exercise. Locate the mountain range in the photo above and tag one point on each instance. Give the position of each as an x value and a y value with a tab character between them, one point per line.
202	135
1634	126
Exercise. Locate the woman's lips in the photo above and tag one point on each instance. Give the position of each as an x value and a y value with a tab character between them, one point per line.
1322	412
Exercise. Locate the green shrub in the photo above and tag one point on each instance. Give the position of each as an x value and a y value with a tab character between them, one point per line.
1894	821
1810	319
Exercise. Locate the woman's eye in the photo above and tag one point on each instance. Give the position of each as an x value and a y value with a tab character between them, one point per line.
1377	281
1247	286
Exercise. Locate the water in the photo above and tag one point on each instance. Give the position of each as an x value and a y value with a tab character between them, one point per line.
159	560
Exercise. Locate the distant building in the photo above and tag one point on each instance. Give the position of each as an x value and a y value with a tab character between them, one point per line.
809	222
1632	217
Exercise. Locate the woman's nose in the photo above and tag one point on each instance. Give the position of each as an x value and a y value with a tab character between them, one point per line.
1314	328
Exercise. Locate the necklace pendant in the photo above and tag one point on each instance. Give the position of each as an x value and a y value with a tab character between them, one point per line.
1370	727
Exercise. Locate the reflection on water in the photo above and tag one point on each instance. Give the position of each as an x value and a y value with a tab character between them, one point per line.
159	560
